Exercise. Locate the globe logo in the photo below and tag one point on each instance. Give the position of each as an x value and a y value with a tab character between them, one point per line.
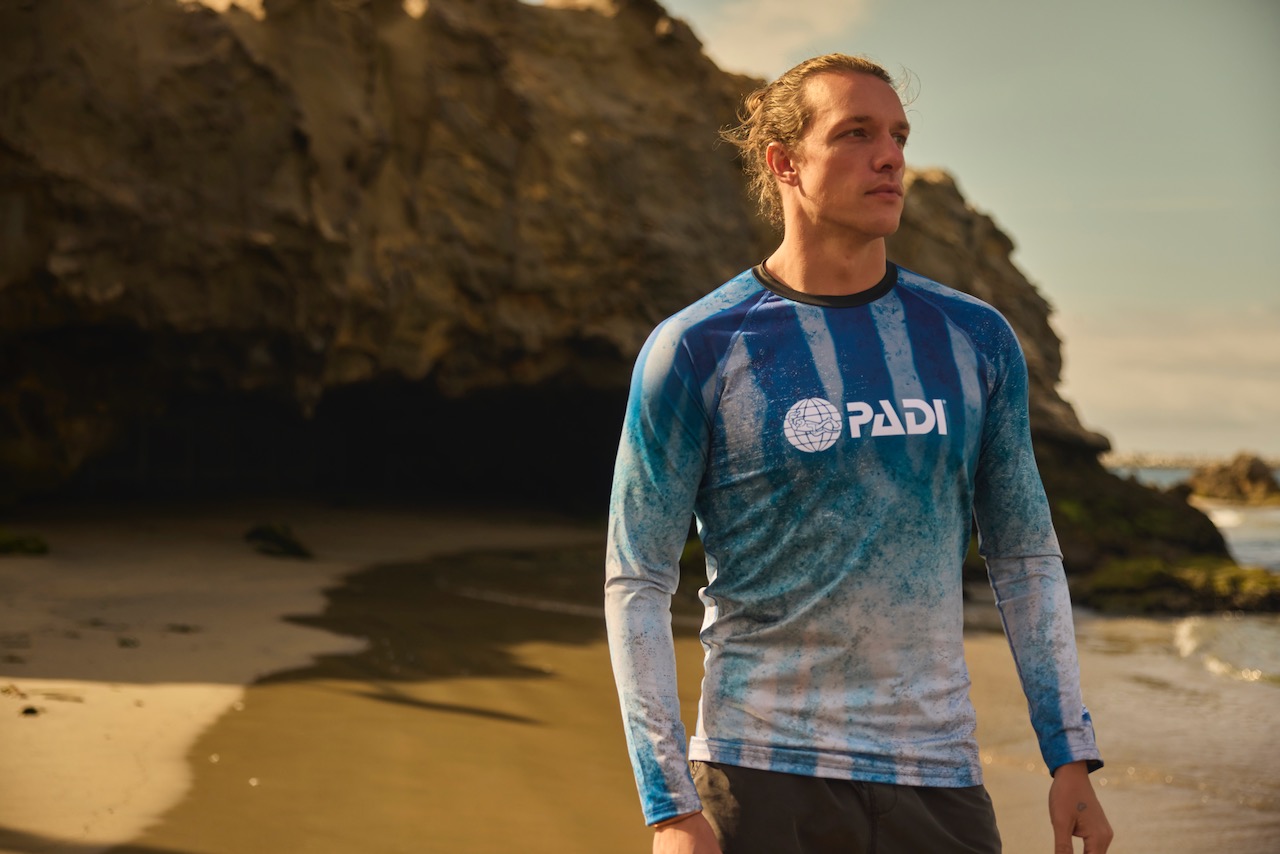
812	424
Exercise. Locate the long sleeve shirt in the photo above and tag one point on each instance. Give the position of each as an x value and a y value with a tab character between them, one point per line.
834	452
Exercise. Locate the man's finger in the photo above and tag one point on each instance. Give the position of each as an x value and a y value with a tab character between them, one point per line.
1097	839
1062	836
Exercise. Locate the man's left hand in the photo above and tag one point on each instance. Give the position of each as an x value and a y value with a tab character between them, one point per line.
1075	811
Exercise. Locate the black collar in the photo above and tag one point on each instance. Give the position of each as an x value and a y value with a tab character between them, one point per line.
871	294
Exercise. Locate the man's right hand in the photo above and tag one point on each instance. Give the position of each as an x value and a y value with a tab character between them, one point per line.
690	835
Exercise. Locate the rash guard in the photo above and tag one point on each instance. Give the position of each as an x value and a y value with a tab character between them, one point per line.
834	452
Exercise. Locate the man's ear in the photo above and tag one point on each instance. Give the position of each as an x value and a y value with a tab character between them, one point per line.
781	164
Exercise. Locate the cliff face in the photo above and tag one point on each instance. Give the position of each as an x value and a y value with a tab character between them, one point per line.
342	206
490	194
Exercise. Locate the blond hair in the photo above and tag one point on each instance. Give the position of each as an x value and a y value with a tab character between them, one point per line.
780	112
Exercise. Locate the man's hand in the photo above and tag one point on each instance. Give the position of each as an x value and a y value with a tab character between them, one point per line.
690	835
1075	811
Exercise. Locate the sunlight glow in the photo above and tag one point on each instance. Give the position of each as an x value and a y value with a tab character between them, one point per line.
253	7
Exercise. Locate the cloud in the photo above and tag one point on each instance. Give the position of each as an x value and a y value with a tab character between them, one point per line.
1149	204
1196	382
1171	204
765	37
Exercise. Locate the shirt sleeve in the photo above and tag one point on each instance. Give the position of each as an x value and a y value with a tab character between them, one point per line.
1024	563
661	458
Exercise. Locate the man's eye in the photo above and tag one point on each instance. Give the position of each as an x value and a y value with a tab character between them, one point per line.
901	139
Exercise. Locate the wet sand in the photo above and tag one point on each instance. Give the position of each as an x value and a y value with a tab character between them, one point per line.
450	692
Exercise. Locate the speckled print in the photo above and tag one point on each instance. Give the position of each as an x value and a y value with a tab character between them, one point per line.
833	625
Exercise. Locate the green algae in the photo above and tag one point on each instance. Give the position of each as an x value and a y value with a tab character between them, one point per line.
1150	585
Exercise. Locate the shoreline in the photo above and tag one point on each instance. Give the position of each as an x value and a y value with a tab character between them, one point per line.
147	624
414	686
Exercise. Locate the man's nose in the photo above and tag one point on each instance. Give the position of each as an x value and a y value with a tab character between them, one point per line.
889	156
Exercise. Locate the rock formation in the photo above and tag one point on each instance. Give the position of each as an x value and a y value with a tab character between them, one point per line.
1245	478
413	243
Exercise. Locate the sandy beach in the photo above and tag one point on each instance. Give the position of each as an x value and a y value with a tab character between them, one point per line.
438	681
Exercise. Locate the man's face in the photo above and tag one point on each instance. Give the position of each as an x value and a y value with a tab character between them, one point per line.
849	163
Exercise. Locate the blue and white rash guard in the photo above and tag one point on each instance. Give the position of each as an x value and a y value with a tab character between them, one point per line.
834	451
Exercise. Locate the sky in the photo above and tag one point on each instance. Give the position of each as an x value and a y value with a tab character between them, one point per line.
1130	148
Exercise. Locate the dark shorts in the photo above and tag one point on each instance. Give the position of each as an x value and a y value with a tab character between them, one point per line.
767	812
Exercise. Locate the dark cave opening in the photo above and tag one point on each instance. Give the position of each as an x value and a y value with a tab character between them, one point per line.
551	447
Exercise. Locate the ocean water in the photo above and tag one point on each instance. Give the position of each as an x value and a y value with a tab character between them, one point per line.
1252	533
1161	478
1185	711
1199	695
1243	647
1232	646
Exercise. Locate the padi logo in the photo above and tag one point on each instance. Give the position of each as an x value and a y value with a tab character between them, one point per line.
814	424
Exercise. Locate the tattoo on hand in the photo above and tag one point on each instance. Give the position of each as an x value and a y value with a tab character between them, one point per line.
1080	807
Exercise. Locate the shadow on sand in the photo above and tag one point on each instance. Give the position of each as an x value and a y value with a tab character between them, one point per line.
460	615
32	843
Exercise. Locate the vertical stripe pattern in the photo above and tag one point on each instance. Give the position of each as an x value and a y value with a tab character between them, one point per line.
834	457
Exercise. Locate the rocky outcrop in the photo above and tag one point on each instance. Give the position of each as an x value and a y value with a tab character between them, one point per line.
372	232
1147	585
490	194
1245	478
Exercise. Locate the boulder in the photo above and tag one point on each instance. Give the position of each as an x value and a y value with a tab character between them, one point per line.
1245	477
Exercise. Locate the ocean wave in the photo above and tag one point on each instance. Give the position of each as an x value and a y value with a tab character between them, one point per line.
1252	532
1245	647
1225	517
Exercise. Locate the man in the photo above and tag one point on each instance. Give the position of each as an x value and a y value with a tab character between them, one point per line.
834	423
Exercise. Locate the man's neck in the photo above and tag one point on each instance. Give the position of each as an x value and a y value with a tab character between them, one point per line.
828	268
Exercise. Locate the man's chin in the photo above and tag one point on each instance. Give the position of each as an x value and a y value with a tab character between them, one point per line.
886	228
871	228
882	223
